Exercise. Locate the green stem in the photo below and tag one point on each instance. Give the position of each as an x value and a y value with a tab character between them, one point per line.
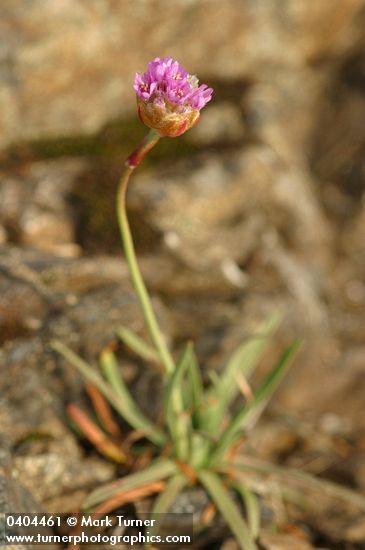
132	162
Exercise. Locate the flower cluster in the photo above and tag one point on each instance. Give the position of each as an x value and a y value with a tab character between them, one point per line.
169	99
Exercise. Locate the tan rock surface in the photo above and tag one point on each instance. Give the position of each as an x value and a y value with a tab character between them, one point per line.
66	67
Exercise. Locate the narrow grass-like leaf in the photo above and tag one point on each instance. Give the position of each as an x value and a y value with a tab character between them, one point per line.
261	398
157	471
138	345
269	385
103	410
195	386
228	509
96	436
164	500
265	391
200	449
177	418
252	508
90	374
243	362
245	358
215	380
131	496
131	412
304	478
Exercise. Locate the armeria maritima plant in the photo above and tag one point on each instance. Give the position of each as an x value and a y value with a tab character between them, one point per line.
199	434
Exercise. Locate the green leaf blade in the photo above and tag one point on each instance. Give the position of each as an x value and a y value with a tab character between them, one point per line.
177	418
158	470
306	479
165	499
138	345
195	385
228	509
243	362
260	399
127	405
121	406
252	508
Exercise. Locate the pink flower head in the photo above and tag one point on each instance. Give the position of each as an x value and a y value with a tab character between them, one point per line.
169	99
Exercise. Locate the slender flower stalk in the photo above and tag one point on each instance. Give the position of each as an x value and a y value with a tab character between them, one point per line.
157	337
169	102
142	150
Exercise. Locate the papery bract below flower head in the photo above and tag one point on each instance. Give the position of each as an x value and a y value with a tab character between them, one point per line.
169	99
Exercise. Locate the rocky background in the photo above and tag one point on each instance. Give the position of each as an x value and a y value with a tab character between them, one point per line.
260	207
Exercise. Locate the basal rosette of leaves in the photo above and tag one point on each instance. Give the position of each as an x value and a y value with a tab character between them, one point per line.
196	441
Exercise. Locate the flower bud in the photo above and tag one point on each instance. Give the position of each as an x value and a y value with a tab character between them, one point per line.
169	99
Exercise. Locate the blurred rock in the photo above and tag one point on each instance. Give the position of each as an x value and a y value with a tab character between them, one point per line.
16	499
23	308
230	544
269	439
338	139
353	243
35	204
95	294
52	474
356	532
249	208
58	69
3	235
284	542
223	125
238	197
45	457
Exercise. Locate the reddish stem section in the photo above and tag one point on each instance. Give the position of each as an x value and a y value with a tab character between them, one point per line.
143	149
